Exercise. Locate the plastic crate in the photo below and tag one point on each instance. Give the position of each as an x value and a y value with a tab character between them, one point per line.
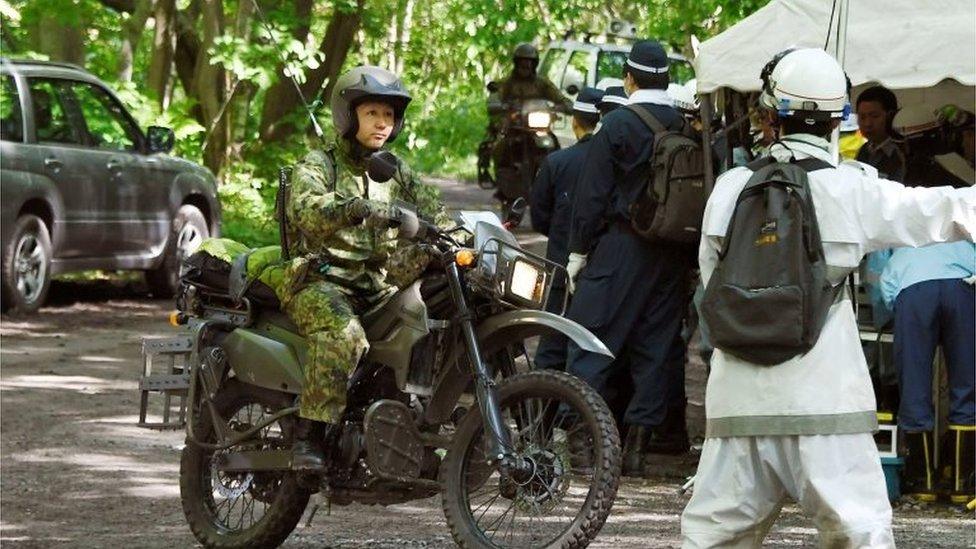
892	467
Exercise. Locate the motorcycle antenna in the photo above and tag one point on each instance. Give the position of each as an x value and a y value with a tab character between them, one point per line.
281	55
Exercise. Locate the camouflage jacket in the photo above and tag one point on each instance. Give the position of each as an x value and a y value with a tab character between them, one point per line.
516	89
367	261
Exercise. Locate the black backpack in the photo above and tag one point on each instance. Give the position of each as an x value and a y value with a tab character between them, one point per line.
768	298
671	201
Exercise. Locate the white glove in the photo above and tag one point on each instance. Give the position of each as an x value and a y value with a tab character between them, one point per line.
573	268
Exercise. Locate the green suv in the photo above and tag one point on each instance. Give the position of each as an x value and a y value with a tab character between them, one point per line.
85	188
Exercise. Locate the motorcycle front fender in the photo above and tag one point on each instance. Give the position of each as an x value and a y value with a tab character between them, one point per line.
496	332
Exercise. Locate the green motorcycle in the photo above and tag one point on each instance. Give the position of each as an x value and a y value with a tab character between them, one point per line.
445	401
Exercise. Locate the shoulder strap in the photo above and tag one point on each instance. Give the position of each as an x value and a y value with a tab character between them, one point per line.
647	118
760	163
811	164
330	156
281	208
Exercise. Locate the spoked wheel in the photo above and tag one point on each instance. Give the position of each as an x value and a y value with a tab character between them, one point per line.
561	494
231	510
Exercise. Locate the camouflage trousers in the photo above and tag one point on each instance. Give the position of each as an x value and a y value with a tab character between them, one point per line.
336	342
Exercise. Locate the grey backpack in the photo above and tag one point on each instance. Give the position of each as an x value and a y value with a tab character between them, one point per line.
671	203
768	298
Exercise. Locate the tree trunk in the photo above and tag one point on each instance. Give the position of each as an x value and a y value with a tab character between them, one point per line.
132	29
210	87
164	47
186	53
404	38
58	40
282	99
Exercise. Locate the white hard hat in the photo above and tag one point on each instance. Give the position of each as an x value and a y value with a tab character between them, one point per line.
685	96
806	82
608	81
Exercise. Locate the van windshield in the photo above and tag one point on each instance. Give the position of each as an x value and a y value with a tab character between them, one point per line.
610	64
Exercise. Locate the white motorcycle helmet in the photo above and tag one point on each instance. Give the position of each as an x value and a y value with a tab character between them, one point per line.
685	96
806	83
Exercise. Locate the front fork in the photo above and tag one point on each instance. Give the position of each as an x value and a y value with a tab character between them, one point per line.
502	452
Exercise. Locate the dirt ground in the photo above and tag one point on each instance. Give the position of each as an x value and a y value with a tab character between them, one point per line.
77	472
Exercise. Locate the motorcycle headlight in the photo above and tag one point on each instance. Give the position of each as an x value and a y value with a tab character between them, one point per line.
526	283
539	119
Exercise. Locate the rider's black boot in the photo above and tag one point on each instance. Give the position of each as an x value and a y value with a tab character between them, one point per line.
307	452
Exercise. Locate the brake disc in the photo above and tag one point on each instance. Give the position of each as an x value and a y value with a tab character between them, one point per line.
220	482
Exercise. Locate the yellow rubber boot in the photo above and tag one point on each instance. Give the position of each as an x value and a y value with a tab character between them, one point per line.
920	466
963	444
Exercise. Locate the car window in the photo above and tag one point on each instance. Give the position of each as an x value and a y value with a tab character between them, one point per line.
52	124
576	70
552	65
108	126
11	118
610	64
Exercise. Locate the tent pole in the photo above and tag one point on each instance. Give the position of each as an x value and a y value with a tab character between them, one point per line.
705	107
840	52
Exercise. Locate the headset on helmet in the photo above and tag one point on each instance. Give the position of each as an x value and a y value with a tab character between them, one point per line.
367	83
808	88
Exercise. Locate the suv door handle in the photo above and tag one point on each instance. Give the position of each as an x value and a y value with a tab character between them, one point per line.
53	163
113	165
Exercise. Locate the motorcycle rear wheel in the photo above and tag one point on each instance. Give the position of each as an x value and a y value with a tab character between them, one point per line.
576	467
210	498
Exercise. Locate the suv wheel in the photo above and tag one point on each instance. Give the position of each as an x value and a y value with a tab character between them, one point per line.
27	266
188	231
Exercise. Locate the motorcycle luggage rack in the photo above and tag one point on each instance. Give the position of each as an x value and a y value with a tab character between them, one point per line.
170	357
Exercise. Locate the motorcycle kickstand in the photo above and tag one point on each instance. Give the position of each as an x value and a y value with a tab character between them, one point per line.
318	499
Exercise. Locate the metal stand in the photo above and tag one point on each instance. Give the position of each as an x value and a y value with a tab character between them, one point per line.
172	354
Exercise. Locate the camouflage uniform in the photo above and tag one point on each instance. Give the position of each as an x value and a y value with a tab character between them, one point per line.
515	90
341	268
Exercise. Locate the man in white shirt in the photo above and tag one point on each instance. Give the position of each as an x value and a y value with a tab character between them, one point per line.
803	428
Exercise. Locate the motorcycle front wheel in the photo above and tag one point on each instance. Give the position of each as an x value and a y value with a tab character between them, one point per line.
566	434
237	510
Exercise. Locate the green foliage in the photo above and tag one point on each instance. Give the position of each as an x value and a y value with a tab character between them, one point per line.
446	50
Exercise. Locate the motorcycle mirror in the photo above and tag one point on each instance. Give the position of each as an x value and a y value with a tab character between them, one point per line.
492	86
515	213
572	89
381	166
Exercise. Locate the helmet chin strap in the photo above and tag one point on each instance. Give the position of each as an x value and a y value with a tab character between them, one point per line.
357	150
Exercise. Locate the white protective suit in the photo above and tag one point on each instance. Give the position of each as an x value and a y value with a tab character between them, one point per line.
803	428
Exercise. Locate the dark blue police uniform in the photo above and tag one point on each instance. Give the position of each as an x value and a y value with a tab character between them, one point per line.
551	211
552	206
631	293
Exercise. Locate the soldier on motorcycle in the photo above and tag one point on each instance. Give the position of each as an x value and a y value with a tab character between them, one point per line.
523	84
345	258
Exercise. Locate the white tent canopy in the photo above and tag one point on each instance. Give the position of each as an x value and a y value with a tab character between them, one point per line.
902	44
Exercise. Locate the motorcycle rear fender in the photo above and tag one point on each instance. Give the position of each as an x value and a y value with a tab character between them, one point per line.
267	355
494	333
